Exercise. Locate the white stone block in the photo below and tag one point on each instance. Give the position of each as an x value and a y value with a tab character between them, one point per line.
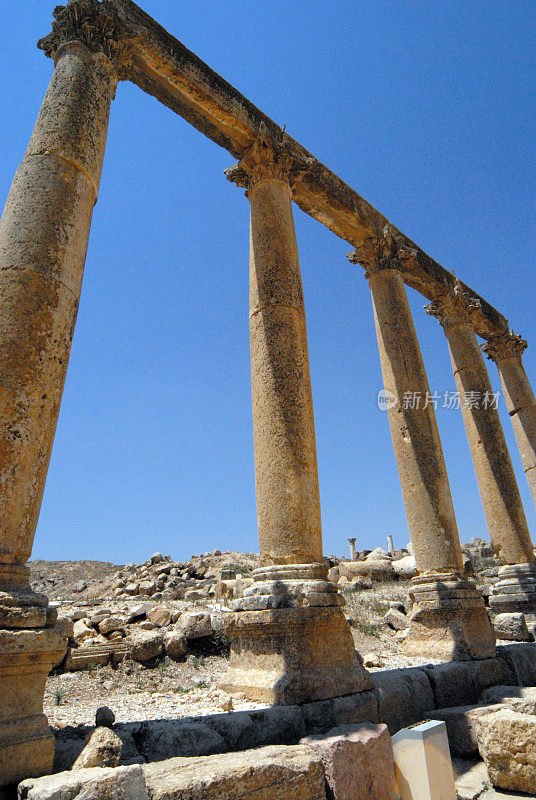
422	762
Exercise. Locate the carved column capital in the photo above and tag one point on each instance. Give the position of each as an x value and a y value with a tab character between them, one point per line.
385	251
92	24
268	158
454	307
505	345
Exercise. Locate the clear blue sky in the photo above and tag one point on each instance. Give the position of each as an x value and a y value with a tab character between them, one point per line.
426	109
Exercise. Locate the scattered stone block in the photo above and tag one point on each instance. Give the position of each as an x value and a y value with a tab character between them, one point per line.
176	645
521	658
195	624
159	616
268	773
83	629
404	696
461	728
358	762
512	627
423	766
163	739
146	645
517	698
87	784
111	624
507	743
405	567
452	684
103	749
396	619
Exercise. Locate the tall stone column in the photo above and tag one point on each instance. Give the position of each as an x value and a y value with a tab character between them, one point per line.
43	239
448	618
507	351
499	493
290	642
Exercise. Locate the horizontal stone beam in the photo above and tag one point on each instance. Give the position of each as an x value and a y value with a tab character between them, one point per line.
164	68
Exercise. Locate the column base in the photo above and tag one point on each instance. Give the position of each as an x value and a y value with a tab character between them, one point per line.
293	655
448	620
515	591
20	606
26	742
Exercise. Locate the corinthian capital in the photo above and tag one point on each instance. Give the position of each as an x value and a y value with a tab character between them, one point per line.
91	23
386	251
505	345
454	307
269	158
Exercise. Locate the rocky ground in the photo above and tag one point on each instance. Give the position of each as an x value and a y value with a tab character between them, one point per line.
148	640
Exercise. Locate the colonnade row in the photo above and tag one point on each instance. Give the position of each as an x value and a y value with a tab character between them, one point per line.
290	642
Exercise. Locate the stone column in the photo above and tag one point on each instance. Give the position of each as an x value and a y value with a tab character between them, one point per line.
449	618
499	493
507	351
353	551
290	642
43	239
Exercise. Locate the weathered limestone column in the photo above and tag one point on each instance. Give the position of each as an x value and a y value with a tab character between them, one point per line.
353	551
449	618
507	351
499	492
290	642
43	240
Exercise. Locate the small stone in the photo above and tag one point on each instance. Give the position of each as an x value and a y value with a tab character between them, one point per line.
396	620
138	612
372	660
512	626
103	749
104	717
79	586
156	558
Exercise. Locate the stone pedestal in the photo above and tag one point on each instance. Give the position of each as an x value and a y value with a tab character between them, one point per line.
515	590
26	741
448	619
290	642
440	623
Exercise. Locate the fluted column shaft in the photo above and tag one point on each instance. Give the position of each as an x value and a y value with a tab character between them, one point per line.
496	479
507	352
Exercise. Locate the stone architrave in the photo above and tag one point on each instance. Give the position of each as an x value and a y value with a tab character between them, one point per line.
448	619
506	350
43	239
290	642
499	492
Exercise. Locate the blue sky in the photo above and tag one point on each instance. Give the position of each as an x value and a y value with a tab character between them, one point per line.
426	109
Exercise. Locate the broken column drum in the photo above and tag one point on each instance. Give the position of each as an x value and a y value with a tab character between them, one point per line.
448	619
290	641
499	492
43	239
